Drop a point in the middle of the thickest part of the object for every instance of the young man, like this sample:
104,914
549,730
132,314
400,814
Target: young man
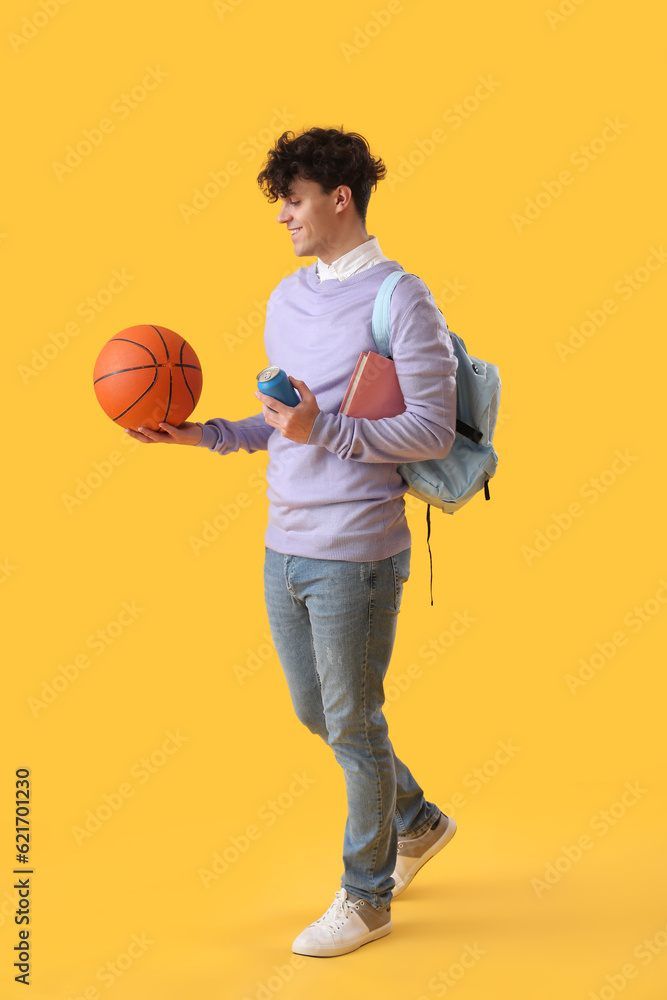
337,541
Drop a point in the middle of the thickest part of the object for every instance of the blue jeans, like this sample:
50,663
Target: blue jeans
333,624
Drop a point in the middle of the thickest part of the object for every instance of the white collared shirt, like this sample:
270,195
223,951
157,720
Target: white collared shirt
358,259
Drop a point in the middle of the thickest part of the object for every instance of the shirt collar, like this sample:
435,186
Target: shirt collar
354,260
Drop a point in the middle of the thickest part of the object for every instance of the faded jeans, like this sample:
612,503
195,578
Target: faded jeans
333,623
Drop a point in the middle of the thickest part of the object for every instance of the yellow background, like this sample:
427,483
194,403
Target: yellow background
195,661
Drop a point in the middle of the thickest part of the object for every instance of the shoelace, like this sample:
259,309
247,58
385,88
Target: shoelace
338,912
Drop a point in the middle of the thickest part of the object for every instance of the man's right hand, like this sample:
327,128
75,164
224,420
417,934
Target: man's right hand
186,433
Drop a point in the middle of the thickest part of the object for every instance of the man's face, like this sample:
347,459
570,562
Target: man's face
312,219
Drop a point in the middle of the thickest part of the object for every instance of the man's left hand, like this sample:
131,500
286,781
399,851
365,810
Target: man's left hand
293,422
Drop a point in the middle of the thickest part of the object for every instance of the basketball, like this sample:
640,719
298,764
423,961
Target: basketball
147,375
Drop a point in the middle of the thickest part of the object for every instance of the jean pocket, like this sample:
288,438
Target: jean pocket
401,566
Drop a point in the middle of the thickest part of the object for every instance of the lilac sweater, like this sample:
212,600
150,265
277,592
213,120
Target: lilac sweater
339,496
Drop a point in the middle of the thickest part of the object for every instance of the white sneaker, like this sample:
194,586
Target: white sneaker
347,924
414,852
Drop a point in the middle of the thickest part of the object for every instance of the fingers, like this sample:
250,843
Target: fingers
271,416
301,388
276,404
148,436
186,433
145,435
272,403
293,422
171,431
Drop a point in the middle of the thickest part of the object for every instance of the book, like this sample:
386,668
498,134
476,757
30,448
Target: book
373,390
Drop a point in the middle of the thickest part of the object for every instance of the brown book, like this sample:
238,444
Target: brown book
373,391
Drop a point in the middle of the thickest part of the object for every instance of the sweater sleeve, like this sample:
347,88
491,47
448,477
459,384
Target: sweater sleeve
426,368
225,436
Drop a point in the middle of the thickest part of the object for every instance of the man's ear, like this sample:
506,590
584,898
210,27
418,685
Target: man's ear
343,197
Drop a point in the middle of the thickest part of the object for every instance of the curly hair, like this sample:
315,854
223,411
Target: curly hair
329,156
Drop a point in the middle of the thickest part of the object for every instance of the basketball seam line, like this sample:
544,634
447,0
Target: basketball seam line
136,343
187,385
138,368
164,343
171,382
127,410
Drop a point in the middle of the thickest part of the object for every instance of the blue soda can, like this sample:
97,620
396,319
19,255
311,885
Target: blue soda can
274,382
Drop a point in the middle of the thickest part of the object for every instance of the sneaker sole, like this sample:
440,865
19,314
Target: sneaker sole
320,952
420,862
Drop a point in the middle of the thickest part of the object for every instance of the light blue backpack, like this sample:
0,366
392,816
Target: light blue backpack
448,483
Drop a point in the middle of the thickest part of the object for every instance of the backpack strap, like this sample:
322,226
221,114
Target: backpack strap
428,544
382,312
381,326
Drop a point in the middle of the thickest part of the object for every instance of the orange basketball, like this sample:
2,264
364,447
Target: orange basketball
146,375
